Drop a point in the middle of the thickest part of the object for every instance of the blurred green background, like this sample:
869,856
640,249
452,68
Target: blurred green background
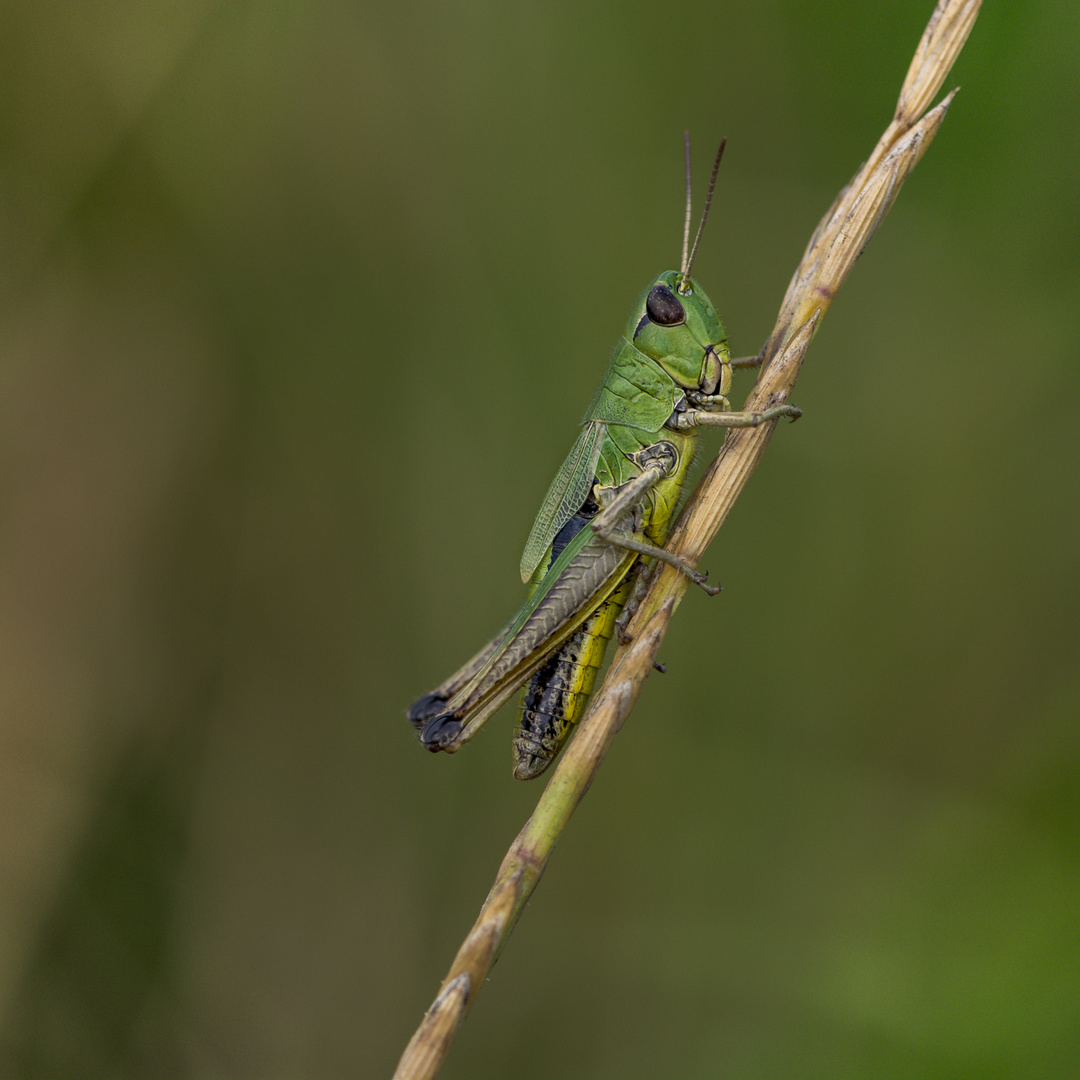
301,304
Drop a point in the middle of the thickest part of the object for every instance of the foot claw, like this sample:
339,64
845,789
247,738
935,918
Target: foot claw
701,580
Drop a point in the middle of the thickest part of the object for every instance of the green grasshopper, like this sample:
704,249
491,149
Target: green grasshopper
611,504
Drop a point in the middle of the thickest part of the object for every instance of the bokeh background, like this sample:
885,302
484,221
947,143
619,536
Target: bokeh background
301,303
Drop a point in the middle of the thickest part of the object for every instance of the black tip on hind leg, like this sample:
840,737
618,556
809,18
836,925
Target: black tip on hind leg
424,709
440,732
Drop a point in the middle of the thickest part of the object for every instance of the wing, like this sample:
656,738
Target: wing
565,496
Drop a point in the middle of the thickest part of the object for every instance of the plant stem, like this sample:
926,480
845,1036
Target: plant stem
835,245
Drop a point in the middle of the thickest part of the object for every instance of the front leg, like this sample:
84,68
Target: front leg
706,417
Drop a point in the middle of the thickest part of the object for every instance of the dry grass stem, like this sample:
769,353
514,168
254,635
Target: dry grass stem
837,242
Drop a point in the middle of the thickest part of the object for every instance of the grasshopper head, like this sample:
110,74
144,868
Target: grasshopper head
675,324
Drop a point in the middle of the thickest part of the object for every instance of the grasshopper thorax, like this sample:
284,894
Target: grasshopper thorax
675,324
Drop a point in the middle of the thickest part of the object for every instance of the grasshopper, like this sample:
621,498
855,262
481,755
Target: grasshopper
610,506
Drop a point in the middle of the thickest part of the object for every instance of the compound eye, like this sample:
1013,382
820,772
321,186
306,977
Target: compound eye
663,307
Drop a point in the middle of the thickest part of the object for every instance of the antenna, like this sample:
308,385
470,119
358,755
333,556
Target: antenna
688,263
686,226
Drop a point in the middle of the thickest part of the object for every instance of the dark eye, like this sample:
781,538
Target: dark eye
663,307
